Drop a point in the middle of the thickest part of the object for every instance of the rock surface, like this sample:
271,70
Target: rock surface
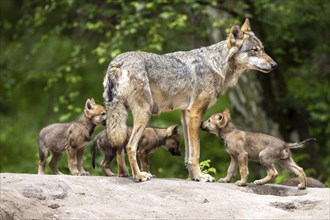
29,196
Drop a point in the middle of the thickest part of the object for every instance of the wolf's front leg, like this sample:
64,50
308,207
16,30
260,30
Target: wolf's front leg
72,160
243,168
231,172
193,122
80,163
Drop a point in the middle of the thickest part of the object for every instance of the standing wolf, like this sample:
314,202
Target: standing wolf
190,81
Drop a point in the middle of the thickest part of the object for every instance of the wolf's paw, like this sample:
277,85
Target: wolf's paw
300,186
240,183
223,180
258,182
84,173
123,175
203,178
142,177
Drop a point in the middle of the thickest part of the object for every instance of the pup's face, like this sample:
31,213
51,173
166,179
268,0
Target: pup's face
95,112
216,122
172,143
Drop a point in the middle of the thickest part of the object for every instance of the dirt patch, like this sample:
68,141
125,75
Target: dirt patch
274,190
291,206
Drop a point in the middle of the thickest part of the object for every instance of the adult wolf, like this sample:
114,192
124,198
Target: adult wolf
191,81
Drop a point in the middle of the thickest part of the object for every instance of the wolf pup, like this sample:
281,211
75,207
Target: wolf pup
72,137
244,145
151,139
190,81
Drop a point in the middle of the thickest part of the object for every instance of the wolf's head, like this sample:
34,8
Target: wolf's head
94,112
250,51
216,122
172,143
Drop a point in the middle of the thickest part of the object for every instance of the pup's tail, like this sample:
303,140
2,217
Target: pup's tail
299,144
116,110
94,151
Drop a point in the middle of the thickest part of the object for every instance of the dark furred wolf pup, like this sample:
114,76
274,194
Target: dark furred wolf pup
72,137
151,139
244,145
191,81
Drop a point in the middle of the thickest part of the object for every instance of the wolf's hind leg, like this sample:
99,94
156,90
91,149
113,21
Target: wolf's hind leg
141,118
293,167
108,157
54,161
122,169
271,174
43,155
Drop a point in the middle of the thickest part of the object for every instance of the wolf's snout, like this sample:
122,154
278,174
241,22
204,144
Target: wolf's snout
273,65
203,127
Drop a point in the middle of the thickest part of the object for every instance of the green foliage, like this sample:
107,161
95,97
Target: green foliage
206,167
54,55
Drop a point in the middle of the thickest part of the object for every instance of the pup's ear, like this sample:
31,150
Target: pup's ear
174,129
92,100
219,119
88,107
246,26
234,35
226,113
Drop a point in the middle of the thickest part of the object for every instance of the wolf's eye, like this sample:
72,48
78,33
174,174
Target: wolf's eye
103,114
255,49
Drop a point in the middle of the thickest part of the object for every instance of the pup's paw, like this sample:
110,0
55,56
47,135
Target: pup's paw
123,175
258,182
223,180
142,177
203,178
85,173
240,183
300,186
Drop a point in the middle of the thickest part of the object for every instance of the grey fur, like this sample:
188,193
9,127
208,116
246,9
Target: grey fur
151,139
72,137
190,81
244,145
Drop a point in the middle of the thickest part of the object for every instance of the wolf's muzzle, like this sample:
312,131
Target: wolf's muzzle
273,65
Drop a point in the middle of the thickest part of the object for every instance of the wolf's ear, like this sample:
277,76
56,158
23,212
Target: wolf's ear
174,129
246,26
226,113
88,107
93,101
219,120
234,35
89,104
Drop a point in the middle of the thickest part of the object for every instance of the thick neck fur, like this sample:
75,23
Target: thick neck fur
87,123
222,132
220,60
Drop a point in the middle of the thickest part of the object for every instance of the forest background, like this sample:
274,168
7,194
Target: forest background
54,55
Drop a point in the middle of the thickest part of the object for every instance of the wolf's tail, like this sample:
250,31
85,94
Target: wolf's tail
116,110
94,151
299,144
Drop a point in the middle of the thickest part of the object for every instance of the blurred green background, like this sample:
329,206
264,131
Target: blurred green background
54,55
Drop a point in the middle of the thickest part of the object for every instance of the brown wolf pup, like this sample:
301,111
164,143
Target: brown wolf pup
72,137
151,139
191,81
244,145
